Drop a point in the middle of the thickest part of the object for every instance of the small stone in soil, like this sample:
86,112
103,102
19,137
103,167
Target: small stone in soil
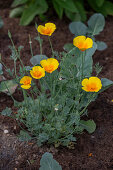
6,131
92,137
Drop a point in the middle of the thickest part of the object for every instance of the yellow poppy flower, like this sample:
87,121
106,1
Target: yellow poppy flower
26,82
48,29
93,84
50,64
82,42
37,72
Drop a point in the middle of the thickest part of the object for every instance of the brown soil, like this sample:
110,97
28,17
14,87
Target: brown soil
26,155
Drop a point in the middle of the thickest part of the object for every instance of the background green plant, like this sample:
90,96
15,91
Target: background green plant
75,10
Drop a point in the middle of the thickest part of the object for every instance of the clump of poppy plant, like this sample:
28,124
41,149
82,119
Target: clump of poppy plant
54,111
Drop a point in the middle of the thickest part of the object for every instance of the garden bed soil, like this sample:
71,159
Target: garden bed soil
92,151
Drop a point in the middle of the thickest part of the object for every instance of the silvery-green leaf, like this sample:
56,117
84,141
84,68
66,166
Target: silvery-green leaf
69,47
48,163
78,28
96,24
37,58
28,68
8,86
101,45
39,39
20,48
24,136
7,111
88,125
106,83
88,62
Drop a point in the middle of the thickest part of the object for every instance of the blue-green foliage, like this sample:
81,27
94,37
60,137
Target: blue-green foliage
88,125
35,60
95,25
6,112
48,163
8,86
24,136
53,112
55,117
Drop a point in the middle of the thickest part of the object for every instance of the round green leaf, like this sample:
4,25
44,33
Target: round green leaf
78,28
37,58
96,24
101,45
89,125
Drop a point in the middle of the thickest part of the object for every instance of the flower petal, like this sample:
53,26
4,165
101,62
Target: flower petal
85,82
47,30
82,42
89,42
25,78
37,72
93,84
41,29
50,64
25,86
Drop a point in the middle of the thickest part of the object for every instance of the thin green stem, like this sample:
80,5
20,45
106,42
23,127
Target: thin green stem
21,62
40,42
46,83
70,51
15,68
4,65
41,48
16,55
60,89
54,86
14,47
82,65
51,46
30,42
25,96
51,83
90,99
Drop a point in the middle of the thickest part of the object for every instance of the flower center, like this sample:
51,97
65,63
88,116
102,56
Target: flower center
26,82
47,31
37,73
91,87
49,68
82,46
